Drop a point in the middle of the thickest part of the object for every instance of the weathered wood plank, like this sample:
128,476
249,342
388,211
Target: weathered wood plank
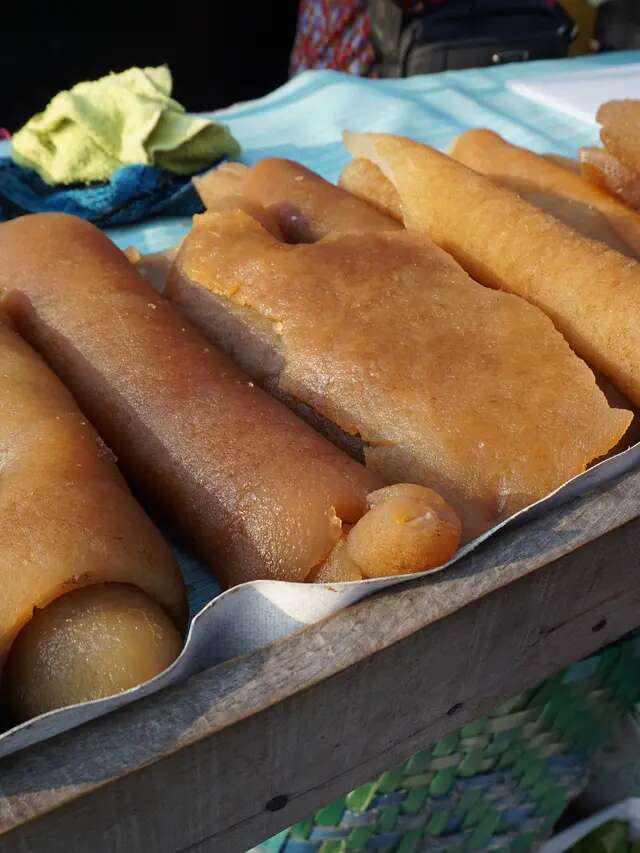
317,713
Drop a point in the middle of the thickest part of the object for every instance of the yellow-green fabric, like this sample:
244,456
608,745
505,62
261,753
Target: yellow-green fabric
87,133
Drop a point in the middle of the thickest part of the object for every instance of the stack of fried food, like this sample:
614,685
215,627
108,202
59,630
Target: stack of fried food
320,384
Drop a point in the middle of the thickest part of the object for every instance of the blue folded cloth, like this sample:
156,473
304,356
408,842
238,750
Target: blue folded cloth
134,193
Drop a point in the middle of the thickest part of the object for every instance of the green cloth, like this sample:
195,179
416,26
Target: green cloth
89,132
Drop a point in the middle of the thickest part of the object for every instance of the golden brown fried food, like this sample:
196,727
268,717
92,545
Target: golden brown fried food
259,492
383,334
567,196
224,188
304,205
403,523
68,521
591,293
362,179
605,170
620,131
94,642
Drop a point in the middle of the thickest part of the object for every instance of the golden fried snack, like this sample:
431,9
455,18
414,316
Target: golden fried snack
304,205
224,180
591,293
365,181
620,131
383,334
260,493
605,170
68,521
403,523
224,188
90,643
567,196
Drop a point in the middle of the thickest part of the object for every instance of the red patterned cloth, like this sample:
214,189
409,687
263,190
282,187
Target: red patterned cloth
336,34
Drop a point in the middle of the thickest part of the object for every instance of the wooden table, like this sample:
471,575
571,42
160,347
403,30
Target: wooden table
244,749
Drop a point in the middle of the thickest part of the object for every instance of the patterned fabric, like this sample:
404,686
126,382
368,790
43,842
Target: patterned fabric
336,34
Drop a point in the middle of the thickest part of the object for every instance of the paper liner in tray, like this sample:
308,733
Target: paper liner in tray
258,613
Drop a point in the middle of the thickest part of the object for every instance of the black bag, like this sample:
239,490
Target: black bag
618,25
466,34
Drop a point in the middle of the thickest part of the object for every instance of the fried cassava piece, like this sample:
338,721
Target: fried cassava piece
449,384
544,183
68,523
258,491
591,292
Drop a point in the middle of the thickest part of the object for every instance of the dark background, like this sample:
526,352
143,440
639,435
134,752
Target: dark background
220,52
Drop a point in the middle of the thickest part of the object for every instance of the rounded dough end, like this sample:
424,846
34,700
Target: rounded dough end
408,528
90,643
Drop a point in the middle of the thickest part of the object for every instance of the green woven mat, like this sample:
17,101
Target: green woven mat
499,783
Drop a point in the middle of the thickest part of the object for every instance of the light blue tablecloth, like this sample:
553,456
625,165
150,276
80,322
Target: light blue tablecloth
304,119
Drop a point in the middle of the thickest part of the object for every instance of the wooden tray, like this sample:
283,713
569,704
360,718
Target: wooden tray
246,748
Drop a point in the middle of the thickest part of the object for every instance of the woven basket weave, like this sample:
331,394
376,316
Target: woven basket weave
499,783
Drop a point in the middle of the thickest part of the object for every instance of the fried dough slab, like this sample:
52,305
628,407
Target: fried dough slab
386,336
591,293
259,492
575,201
69,522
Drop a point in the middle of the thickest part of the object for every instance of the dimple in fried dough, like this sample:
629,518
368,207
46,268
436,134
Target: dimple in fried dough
605,170
303,204
386,336
67,522
259,492
556,190
591,293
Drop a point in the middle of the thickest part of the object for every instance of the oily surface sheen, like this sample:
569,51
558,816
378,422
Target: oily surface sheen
257,490
67,519
465,390
591,293
87,644
545,183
